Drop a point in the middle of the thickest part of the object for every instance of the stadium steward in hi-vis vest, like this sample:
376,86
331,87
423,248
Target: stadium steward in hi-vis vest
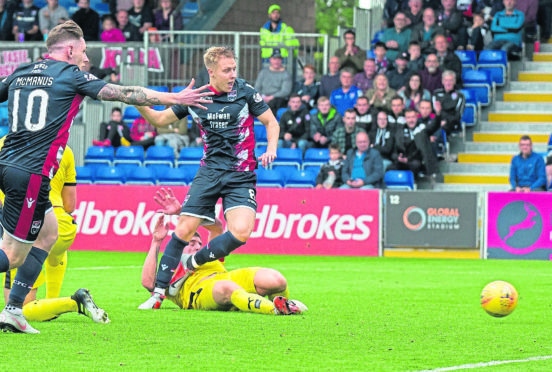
276,34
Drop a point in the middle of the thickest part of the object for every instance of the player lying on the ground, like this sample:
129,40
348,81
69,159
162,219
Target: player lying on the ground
211,287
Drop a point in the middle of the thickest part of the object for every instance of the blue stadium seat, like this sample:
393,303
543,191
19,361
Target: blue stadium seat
127,168
496,62
99,154
101,8
289,157
300,178
129,154
280,112
172,176
549,147
468,58
4,114
399,180
178,88
157,88
159,169
260,134
4,130
269,178
190,9
471,111
314,168
190,155
259,150
482,84
109,175
141,176
191,170
284,169
85,174
130,114
316,157
159,155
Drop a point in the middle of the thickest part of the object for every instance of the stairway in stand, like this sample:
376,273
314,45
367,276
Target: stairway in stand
526,108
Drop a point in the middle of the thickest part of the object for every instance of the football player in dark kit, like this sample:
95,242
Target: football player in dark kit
44,98
227,167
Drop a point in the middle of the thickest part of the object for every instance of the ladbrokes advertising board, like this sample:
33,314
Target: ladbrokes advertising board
519,225
430,219
289,221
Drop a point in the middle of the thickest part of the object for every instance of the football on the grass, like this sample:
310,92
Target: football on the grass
499,298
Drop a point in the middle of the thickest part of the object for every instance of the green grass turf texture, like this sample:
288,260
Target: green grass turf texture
370,314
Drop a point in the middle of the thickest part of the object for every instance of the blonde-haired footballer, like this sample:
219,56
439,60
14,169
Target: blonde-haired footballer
63,195
211,286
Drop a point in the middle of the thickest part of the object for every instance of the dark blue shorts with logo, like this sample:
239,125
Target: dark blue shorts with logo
27,200
236,188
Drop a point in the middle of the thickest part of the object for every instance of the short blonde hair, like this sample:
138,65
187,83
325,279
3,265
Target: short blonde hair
68,30
213,54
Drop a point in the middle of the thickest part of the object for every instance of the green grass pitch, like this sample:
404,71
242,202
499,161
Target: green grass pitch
366,314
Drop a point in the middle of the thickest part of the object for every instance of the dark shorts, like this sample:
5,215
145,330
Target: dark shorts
26,203
236,188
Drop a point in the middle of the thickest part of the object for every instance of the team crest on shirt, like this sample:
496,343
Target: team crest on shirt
257,97
454,95
35,227
232,95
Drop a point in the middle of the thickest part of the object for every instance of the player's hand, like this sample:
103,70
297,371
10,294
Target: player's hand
194,97
169,203
161,229
267,158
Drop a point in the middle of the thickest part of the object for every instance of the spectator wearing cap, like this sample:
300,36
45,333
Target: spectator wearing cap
396,38
398,77
351,55
345,97
506,27
276,35
274,83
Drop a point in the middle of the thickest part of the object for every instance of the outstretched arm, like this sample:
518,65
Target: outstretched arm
149,270
146,97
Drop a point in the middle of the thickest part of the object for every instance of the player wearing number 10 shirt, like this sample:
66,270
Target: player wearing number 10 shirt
43,99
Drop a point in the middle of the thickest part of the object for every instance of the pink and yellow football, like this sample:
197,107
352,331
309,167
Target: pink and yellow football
499,298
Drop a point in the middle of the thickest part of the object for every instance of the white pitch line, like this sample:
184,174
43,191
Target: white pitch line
488,364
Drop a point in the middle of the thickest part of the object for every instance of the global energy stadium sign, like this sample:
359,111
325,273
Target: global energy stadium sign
430,219
519,225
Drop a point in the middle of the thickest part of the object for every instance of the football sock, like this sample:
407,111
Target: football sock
26,276
252,303
284,293
4,262
169,261
48,309
219,247
55,274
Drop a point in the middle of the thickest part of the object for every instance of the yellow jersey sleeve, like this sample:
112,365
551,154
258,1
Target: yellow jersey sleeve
65,176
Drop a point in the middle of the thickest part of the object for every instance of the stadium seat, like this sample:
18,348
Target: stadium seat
496,63
269,178
470,117
159,155
191,170
549,147
399,180
190,155
178,88
85,174
260,135
190,9
101,8
129,154
259,150
99,154
4,130
159,169
314,168
141,176
109,175
4,115
172,176
162,89
289,157
127,168
316,157
300,178
468,58
482,84
280,112
130,114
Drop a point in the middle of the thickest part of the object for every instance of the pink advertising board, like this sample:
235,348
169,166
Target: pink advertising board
519,225
289,221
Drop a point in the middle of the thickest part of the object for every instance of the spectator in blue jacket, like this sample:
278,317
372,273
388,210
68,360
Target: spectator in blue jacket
345,97
527,172
507,29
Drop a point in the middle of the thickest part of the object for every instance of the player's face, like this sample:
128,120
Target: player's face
78,53
193,246
224,74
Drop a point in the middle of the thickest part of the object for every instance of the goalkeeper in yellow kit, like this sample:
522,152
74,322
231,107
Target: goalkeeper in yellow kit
211,286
